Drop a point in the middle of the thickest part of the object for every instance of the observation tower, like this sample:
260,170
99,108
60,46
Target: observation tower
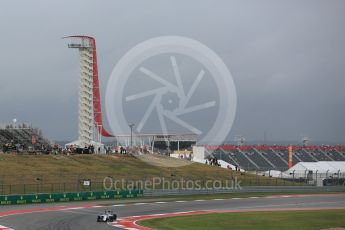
91,127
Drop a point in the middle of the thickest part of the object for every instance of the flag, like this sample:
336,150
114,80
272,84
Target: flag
33,139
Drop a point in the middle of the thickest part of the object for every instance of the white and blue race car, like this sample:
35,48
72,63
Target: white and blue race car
107,216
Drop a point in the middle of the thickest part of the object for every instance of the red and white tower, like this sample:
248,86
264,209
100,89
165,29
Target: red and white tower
91,127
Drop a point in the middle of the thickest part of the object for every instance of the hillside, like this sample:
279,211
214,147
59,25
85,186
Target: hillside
51,167
60,172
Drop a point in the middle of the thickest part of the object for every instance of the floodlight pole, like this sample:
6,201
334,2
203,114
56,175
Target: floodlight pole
131,127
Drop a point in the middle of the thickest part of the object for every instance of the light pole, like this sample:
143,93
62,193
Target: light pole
131,127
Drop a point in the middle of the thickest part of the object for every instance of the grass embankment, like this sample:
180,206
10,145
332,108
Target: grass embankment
56,173
255,220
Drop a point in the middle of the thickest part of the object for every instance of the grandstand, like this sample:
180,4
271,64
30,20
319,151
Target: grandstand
22,137
264,157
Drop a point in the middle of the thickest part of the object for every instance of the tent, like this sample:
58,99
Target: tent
276,174
319,167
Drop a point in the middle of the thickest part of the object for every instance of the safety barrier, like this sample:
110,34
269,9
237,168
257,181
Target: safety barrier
69,196
246,189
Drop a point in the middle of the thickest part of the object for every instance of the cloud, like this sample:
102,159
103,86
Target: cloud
286,58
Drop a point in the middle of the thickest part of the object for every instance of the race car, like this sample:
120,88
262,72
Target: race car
107,216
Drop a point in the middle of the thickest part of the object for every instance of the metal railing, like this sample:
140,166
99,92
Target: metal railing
64,182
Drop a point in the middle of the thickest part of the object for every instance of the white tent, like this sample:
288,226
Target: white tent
318,167
317,172
277,174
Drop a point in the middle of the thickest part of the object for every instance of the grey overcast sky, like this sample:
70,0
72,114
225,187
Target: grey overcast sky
287,58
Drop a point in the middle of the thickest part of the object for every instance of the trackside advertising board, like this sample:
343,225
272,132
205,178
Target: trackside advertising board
68,196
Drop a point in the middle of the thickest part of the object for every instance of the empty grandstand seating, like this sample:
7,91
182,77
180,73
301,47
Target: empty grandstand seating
277,159
335,155
262,157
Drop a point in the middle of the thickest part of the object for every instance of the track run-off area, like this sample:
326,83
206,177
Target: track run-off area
83,215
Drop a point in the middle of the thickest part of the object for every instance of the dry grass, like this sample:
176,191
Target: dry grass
61,173
51,167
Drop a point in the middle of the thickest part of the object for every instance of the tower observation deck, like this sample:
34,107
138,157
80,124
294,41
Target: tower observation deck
91,127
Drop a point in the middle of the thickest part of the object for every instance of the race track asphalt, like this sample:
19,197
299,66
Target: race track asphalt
79,218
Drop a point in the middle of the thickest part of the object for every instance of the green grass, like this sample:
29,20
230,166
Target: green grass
60,173
295,220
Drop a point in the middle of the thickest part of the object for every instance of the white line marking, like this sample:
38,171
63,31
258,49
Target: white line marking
218,199
159,214
180,201
160,202
181,212
118,205
74,208
199,200
305,205
140,203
